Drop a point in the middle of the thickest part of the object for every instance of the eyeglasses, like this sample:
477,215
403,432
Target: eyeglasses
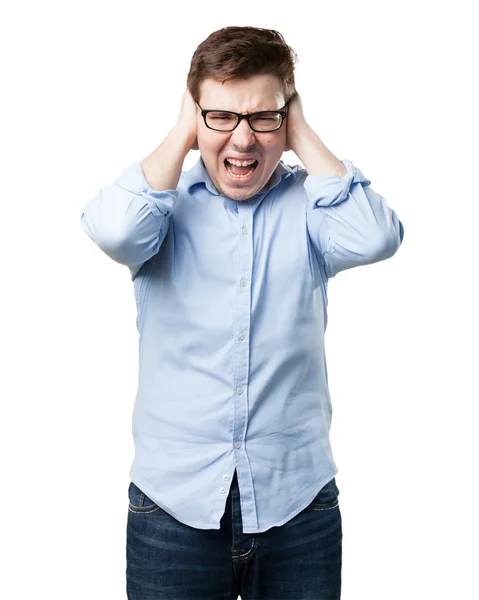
262,121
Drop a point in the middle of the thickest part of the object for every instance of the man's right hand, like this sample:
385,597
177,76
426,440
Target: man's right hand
187,118
162,168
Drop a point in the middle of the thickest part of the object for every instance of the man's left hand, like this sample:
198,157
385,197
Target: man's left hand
295,122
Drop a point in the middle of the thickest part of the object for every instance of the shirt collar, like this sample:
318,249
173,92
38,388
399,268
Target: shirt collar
199,175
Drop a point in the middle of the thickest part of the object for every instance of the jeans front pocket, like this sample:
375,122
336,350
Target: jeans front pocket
139,501
327,497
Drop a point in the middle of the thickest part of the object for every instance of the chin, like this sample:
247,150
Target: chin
239,196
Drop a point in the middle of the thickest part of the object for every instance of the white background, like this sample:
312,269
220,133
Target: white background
90,88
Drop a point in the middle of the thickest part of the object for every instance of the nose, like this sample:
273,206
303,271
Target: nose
243,136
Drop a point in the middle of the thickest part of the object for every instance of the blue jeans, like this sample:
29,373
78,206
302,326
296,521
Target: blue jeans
300,560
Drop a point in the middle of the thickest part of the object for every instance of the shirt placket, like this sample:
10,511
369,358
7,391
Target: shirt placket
241,364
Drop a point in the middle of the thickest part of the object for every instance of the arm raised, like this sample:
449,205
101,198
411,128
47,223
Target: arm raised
129,219
348,223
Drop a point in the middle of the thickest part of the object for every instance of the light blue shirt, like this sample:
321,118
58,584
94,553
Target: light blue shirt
232,311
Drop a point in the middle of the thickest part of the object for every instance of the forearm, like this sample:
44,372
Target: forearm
314,155
162,168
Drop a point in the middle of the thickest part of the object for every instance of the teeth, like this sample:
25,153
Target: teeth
240,176
239,163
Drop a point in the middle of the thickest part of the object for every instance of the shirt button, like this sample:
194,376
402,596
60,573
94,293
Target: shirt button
243,282
238,445
241,336
222,490
226,477
244,230
239,390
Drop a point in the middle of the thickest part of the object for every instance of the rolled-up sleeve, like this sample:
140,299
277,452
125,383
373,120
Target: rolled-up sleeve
348,223
128,220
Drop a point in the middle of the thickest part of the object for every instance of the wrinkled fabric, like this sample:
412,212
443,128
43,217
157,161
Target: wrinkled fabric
231,301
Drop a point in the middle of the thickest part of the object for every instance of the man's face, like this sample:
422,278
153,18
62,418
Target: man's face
259,92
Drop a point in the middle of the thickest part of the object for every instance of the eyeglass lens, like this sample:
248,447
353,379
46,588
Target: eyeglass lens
225,121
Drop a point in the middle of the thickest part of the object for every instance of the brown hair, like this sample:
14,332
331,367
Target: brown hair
240,52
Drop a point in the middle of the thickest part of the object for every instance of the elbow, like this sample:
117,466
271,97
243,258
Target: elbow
113,245
388,239
116,247
385,246
112,242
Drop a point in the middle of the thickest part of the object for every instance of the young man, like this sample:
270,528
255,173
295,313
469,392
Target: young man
233,486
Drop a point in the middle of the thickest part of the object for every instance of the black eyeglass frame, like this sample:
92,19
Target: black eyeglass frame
247,116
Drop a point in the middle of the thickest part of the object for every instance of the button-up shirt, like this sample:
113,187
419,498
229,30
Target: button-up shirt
231,303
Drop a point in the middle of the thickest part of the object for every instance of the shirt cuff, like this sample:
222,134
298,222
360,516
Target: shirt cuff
327,190
160,202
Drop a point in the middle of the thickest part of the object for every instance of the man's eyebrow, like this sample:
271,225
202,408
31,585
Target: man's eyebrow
255,110
250,112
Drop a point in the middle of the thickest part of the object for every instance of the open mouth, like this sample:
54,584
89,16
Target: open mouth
240,173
